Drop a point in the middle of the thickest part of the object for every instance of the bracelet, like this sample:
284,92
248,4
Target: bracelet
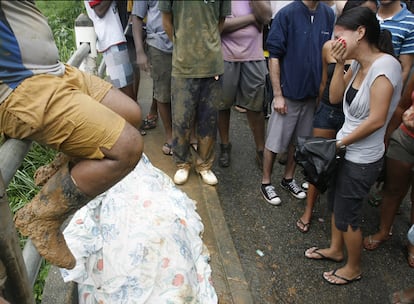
340,145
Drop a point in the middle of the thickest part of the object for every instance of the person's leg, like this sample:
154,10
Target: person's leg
352,269
165,113
210,92
223,124
75,123
257,125
335,251
268,161
183,105
312,193
395,188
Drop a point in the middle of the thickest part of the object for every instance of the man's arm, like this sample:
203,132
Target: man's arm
262,11
142,59
279,103
406,64
102,7
168,24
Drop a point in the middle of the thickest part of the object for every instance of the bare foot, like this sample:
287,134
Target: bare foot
403,296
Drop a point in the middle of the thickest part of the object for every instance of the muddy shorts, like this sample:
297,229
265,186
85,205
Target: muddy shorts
63,113
161,65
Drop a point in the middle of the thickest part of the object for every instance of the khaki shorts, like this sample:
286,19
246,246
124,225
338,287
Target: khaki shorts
244,85
161,65
401,147
63,113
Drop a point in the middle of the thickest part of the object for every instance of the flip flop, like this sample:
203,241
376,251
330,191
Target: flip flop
345,281
320,256
302,227
167,149
371,244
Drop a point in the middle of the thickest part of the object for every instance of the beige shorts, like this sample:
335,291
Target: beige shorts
63,113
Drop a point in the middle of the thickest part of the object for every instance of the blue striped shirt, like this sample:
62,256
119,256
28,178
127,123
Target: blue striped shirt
401,27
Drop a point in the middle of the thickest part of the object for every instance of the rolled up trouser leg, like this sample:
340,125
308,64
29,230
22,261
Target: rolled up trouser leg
41,219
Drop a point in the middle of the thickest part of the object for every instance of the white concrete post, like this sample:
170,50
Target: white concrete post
85,33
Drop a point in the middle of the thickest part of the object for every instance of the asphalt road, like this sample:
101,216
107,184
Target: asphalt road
283,274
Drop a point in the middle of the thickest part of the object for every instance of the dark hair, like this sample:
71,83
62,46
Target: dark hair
363,16
355,3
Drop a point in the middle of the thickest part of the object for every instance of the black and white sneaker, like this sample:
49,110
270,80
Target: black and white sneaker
270,195
293,188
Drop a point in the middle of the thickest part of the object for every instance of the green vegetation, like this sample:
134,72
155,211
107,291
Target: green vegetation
61,17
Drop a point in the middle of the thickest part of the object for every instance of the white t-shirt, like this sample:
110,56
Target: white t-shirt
108,29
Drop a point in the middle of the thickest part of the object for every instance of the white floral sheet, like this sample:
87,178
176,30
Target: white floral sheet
140,242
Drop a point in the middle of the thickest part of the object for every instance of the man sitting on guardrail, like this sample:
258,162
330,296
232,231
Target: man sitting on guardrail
57,105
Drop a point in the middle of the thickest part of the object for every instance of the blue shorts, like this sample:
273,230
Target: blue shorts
328,117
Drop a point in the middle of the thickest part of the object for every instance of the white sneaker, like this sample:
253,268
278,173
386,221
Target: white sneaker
181,176
305,186
208,177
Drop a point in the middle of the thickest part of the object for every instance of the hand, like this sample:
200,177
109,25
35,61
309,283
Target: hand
142,61
279,105
338,50
408,118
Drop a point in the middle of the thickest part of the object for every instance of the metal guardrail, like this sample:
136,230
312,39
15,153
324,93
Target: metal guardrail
20,268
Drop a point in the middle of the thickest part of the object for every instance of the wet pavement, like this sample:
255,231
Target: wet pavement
282,274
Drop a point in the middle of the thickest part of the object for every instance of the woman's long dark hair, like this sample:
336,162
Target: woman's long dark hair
362,16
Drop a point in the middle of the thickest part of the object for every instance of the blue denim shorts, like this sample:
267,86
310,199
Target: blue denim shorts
328,117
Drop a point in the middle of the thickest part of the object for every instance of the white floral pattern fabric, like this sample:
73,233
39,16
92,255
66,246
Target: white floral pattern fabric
140,242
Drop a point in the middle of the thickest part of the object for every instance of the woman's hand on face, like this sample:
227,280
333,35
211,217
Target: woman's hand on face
408,118
338,50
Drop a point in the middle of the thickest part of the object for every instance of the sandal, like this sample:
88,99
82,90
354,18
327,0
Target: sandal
302,227
150,122
194,145
167,149
335,279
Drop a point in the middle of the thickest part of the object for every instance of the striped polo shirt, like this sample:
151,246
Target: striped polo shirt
401,27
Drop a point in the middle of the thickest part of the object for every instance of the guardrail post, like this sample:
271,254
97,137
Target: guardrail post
11,255
85,33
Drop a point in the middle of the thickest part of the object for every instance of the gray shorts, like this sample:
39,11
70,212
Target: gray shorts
161,65
118,66
284,129
244,85
401,147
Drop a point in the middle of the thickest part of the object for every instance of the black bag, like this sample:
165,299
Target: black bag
317,156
